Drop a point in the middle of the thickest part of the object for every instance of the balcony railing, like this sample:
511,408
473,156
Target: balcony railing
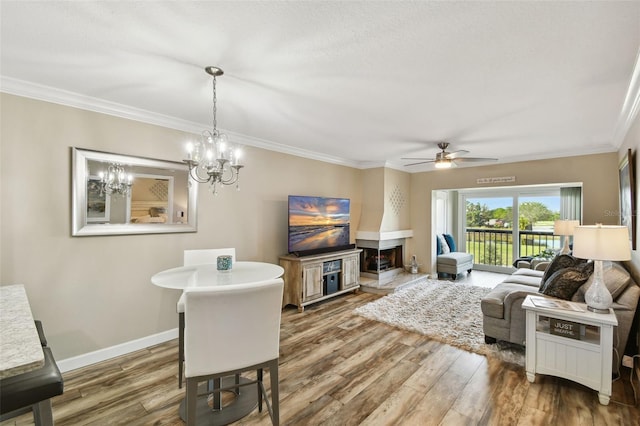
495,246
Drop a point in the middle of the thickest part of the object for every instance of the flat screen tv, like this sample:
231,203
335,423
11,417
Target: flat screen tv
318,224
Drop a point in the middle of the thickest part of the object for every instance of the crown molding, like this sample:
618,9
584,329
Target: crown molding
284,149
630,106
75,100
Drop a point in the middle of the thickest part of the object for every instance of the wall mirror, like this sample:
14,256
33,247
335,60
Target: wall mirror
156,197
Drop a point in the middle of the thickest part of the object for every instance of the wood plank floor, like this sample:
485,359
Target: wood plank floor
337,368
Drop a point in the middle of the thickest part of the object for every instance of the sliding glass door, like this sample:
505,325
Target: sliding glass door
500,226
536,215
489,230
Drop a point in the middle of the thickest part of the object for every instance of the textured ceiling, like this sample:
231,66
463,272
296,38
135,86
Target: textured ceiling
359,83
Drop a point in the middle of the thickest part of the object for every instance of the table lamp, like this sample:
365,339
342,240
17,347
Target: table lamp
565,228
600,242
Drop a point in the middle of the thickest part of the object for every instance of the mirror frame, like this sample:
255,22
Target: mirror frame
80,175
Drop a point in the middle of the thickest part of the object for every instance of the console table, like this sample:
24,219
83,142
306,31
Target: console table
574,345
310,279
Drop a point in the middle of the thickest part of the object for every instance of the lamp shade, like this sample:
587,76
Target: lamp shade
601,242
565,227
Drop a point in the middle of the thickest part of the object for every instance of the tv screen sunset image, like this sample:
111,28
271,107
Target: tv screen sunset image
318,222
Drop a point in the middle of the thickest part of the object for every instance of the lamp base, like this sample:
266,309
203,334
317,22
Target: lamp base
598,310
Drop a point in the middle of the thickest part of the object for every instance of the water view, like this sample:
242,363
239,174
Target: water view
313,237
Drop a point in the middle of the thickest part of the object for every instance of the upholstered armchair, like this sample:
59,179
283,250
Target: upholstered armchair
449,260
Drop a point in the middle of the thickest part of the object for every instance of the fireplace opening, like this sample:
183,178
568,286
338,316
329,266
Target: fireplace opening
380,260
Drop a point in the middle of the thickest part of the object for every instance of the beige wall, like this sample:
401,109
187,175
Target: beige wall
372,206
94,292
598,174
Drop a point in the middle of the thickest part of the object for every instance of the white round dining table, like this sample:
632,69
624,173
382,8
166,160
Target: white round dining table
207,274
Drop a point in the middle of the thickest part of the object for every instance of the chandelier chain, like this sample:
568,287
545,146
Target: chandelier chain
215,109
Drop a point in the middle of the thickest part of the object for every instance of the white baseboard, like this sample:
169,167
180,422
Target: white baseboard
115,351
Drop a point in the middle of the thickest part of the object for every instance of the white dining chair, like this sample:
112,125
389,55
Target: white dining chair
195,257
219,343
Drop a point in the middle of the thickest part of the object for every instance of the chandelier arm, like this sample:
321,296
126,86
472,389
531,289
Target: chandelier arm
233,178
193,172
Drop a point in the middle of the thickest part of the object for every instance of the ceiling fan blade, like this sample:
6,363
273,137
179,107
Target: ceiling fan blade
456,154
420,162
417,158
472,159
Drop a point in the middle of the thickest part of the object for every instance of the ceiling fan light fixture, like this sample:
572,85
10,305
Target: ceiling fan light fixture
443,163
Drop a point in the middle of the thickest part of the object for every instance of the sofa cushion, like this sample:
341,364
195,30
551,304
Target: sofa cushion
455,258
560,262
527,280
493,304
615,277
529,273
450,242
528,277
565,282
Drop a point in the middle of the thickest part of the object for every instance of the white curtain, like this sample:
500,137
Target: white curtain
571,203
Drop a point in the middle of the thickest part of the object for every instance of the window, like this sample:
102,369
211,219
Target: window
501,225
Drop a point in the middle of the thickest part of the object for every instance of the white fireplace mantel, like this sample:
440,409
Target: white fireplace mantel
383,236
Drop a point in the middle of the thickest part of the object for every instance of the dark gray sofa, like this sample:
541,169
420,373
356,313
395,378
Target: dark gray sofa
504,318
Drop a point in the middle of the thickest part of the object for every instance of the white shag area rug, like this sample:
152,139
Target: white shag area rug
446,311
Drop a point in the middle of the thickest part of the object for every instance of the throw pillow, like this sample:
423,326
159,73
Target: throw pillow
564,283
450,242
615,278
560,262
443,245
438,246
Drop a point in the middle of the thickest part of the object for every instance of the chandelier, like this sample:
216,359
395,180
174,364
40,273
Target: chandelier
212,160
115,181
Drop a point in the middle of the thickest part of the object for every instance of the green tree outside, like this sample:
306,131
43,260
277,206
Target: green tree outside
500,252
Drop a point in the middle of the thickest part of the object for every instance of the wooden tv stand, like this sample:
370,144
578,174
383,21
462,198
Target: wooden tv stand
310,279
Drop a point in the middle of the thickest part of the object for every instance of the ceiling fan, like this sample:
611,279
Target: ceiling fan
445,160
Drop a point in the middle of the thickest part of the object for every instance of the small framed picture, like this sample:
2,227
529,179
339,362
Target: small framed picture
98,202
